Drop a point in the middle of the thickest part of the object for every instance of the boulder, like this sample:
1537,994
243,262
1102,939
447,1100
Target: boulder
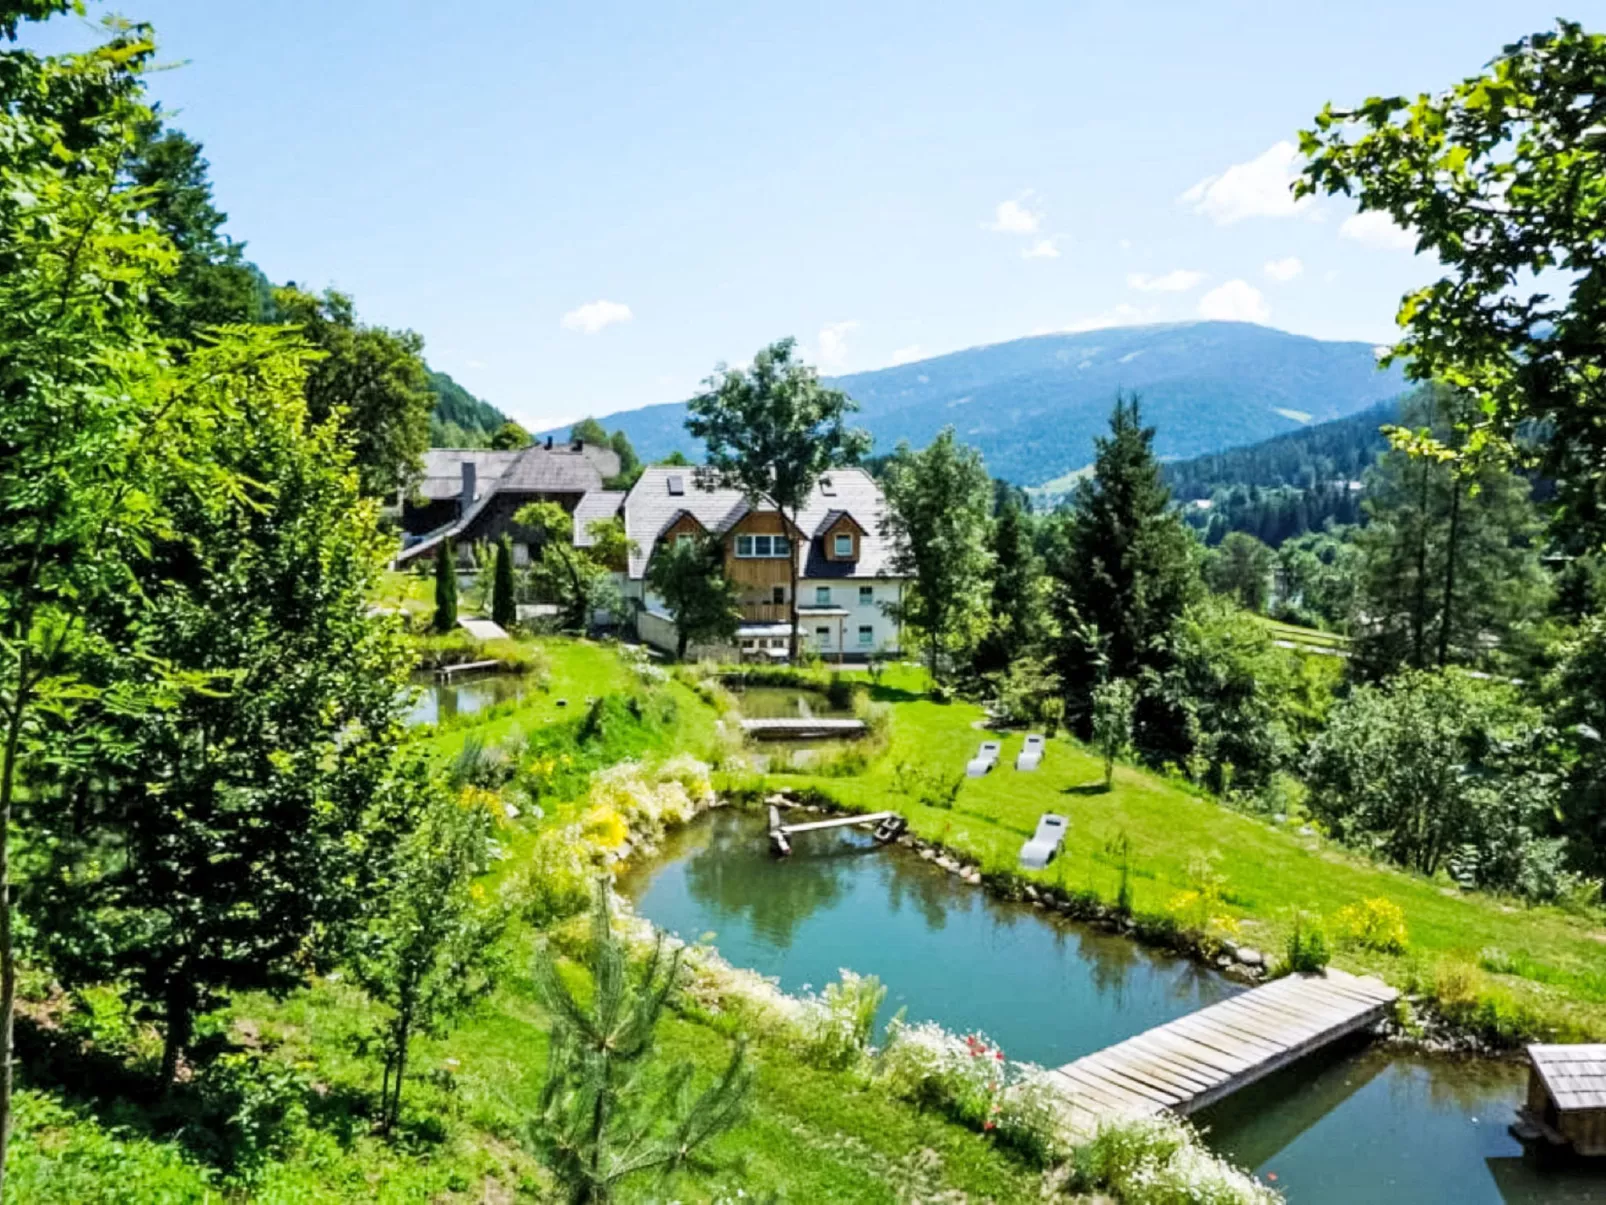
1250,956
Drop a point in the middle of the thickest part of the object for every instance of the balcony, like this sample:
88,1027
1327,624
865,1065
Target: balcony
766,612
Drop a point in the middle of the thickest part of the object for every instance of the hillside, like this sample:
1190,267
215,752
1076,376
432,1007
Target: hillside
460,418
1034,405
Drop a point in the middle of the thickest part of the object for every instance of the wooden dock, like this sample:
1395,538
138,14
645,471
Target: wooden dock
888,825
447,672
802,729
1205,1056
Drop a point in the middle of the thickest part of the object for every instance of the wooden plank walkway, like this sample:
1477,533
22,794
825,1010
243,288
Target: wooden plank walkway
833,822
1198,1059
802,729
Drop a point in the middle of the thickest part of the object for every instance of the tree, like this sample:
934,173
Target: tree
1241,566
1449,567
1018,620
772,431
373,377
510,437
1317,572
939,508
577,577
1113,702
1122,563
427,953
1577,705
1436,769
629,462
590,431
605,1114
504,610
1498,180
690,578
212,843
445,587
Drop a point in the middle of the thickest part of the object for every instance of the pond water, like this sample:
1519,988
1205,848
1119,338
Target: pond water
785,703
1356,1125
437,701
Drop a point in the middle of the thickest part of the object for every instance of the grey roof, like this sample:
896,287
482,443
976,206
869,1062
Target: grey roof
536,469
598,504
650,508
560,471
443,471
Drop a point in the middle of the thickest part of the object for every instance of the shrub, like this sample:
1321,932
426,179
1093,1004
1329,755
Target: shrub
1307,948
1161,1161
841,1023
1375,924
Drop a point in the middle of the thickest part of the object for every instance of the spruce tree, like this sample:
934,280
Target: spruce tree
1016,600
445,587
503,608
1124,566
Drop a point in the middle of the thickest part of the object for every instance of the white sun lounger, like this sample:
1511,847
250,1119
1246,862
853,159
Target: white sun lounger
986,758
1045,843
1031,753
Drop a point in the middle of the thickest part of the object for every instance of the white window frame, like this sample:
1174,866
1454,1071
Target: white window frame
866,635
762,547
748,542
844,544
822,596
866,595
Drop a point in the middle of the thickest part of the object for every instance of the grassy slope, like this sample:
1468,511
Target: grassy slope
1269,870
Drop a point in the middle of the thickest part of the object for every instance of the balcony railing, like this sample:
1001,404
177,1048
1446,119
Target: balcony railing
766,612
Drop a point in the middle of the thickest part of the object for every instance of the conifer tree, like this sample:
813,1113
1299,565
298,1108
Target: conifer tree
503,608
1018,620
445,587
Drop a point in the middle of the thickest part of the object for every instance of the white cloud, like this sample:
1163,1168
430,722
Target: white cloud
1012,217
1179,281
1284,269
593,316
833,341
1235,301
1043,248
1257,189
1374,228
908,355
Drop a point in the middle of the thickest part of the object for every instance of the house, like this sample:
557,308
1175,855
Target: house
471,494
846,578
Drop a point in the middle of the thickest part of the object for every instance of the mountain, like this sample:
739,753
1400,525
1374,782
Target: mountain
1034,405
460,419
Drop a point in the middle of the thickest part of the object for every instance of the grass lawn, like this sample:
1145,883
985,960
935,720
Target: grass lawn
1311,638
1269,870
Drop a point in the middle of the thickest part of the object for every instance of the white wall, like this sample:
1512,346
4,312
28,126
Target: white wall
864,611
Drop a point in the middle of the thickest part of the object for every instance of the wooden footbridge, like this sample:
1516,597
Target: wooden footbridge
888,826
1205,1056
806,728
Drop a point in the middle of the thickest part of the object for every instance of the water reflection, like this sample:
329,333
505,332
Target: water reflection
437,701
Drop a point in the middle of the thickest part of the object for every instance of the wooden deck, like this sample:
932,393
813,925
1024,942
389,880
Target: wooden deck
833,822
801,729
1205,1056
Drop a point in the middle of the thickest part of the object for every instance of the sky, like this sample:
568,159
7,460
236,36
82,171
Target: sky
585,207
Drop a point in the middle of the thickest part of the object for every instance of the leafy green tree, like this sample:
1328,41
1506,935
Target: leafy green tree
1017,601
578,578
607,1113
1123,566
1436,769
504,609
772,431
1318,572
1578,706
1241,566
445,587
629,462
1113,703
591,431
1498,179
428,951
212,842
940,503
1449,565
373,377
690,578
510,437
459,419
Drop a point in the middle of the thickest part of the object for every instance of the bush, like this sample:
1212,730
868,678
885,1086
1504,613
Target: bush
1375,924
1161,1161
1306,949
841,1025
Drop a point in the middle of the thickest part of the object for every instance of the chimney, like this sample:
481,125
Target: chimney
579,445
468,484
548,443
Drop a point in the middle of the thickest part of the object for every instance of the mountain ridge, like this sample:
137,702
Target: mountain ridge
1034,405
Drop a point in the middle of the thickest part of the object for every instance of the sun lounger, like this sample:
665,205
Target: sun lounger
984,761
1045,843
1031,753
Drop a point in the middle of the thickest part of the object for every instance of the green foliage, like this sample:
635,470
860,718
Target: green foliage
1241,567
576,578
426,951
445,619
1438,766
1113,703
1374,924
459,419
607,1112
1306,950
1497,176
510,437
689,575
504,606
1160,1161
1318,573
772,431
1029,692
1018,600
940,508
1577,701
372,378
1123,566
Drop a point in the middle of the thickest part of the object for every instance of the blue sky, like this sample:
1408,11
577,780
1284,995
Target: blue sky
583,207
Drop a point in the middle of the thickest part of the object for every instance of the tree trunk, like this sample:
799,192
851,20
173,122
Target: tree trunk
1447,609
180,1018
393,1111
1419,618
792,575
8,954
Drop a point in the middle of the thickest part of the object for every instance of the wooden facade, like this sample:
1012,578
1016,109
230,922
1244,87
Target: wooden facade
847,526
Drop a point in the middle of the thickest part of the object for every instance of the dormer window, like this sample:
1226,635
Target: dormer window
677,485
844,546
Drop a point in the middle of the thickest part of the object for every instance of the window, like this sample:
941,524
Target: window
683,540
866,595
866,635
677,485
844,546
762,546
778,595
823,634
822,596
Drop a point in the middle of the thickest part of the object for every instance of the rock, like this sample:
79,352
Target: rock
1223,961
1250,956
928,855
1229,948
973,877
1031,893
947,863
